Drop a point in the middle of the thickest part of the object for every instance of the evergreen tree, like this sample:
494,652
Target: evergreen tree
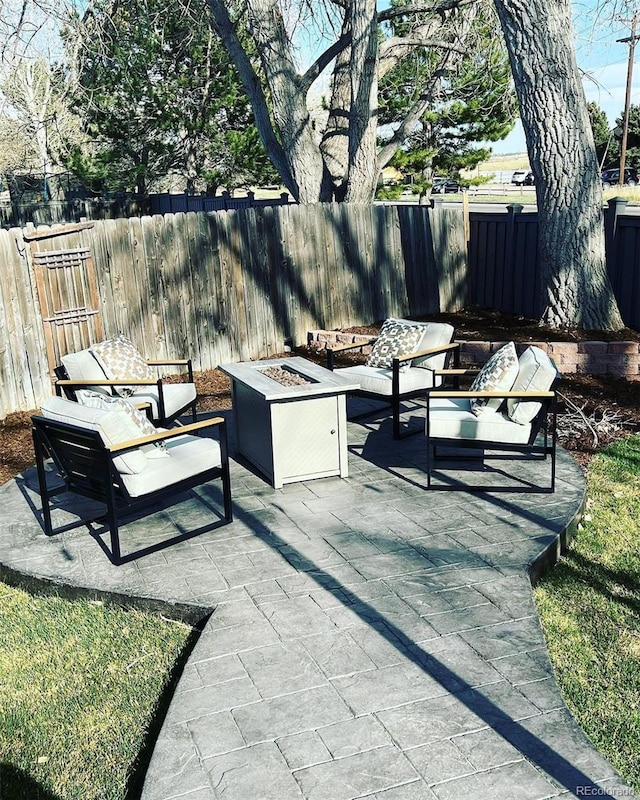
472,103
632,159
607,149
158,95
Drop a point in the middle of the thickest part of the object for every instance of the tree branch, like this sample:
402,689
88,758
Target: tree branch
323,60
399,42
224,27
435,8
410,121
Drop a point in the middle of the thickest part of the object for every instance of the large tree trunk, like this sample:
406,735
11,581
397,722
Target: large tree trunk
577,290
288,98
335,139
363,165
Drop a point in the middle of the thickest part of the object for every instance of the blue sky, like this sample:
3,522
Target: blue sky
603,62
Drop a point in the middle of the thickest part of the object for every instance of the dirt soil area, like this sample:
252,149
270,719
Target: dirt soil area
594,410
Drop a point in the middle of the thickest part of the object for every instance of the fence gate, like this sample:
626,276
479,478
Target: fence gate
67,289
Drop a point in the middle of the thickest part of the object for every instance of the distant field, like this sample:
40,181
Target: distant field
509,161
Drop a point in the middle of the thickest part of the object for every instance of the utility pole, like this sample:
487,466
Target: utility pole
631,41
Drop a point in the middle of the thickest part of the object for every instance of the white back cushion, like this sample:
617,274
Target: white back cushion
82,366
141,421
114,427
536,373
435,334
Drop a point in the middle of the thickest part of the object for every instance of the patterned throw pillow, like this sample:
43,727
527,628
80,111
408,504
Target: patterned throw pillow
498,374
138,417
536,373
396,338
120,360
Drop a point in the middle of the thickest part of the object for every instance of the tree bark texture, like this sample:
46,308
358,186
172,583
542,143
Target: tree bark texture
335,140
363,168
553,109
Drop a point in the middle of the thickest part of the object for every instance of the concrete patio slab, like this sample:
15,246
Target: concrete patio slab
369,639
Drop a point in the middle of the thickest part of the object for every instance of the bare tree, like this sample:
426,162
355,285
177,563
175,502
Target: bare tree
562,153
31,88
339,160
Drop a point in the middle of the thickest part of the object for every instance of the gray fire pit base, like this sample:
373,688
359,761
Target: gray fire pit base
290,433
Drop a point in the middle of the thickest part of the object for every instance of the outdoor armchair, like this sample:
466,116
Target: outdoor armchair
107,455
116,367
507,415
404,363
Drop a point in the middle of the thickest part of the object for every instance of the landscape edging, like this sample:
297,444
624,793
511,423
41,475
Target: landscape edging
618,359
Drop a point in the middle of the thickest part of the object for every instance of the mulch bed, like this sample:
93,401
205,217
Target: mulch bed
594,410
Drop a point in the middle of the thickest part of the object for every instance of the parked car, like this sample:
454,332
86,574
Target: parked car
445,186
523,177
611,177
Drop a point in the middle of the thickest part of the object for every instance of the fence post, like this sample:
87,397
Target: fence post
513,210
615,207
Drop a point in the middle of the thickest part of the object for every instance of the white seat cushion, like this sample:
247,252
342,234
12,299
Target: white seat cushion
454,419
379,381
190,455
536,373
176,397
114,427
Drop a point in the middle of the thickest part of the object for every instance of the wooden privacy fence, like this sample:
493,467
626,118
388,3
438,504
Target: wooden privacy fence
235,285
226,286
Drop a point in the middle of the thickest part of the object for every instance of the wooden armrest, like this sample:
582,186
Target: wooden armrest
106,382
340,348
431,351
169,362
487,393
168,434
457,372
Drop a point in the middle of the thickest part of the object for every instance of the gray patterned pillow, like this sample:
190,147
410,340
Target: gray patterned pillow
120,360
396,338
137,417
498,374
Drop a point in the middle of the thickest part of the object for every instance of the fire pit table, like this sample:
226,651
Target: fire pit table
290,418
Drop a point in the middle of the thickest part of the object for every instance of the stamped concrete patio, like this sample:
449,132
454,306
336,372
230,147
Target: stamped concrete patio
368,639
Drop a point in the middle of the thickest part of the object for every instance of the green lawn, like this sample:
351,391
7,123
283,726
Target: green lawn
589,605
79,685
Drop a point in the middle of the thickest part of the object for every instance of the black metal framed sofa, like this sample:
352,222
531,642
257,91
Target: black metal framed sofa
102,455
512,417
404,363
